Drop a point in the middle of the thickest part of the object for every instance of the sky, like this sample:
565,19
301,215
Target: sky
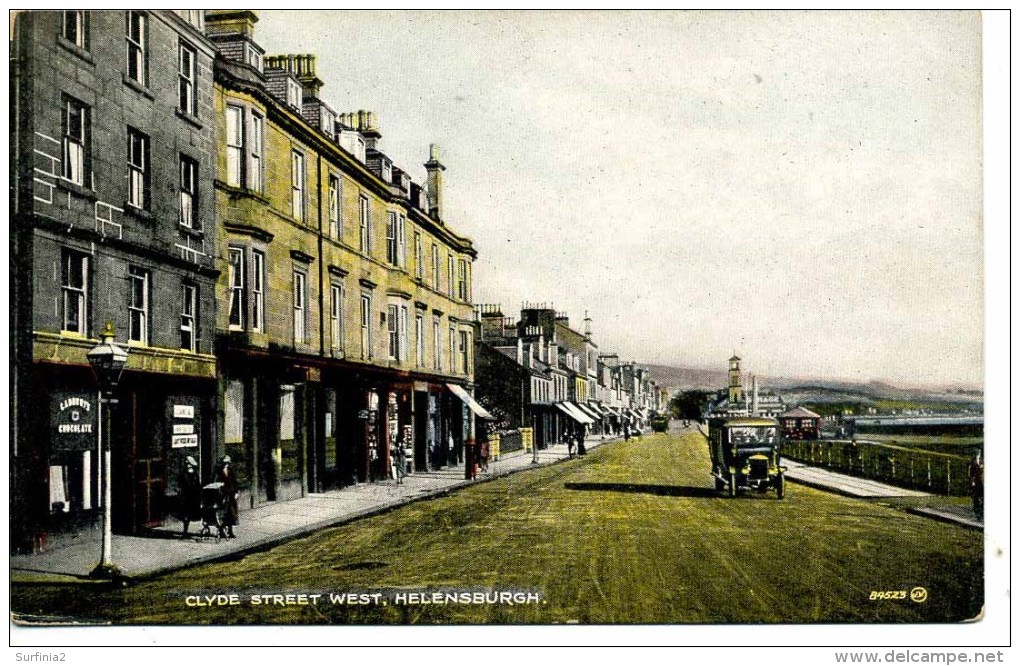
801,188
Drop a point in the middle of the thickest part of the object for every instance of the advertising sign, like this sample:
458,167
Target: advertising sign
184,441
74,421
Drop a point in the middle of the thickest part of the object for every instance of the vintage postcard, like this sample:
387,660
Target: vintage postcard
618,319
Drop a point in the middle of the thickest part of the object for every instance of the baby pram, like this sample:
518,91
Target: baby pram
214,510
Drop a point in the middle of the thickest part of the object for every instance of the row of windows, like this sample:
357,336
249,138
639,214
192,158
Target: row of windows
76,27
76,295
247,311
76,158
245,140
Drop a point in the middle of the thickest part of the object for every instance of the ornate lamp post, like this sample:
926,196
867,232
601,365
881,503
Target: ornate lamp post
107,360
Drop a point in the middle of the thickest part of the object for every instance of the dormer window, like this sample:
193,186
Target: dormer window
386,167
327,122
352,142
293,93
195,17
253,57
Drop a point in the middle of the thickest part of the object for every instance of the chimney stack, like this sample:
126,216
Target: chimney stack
364,122
587,325
435,182
754,391
302,66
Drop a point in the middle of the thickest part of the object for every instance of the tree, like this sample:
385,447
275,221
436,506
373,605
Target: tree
690,404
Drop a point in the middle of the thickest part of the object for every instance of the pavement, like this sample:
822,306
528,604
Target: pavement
844,484
928,505
165,549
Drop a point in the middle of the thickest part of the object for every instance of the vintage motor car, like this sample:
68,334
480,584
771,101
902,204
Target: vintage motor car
745,455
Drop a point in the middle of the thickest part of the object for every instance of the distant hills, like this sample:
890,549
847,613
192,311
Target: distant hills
807,390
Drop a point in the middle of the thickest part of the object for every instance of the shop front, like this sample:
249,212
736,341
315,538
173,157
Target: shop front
157,420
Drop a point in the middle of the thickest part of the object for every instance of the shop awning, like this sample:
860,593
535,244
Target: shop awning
581,414
573,412
585,409
472,404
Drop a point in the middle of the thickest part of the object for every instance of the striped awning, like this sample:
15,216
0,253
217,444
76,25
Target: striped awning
573,412
472,404
585,409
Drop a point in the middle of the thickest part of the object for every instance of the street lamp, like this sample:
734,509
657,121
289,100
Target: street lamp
107,360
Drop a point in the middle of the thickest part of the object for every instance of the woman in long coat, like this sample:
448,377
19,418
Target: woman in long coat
225,475
189,493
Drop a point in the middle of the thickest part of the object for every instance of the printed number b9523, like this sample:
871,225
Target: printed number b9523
884,595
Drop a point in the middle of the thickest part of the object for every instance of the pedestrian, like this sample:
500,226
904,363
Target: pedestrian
977,484
373,459
483,451
570,445
225,475
189,494
397,462
581,451
626,432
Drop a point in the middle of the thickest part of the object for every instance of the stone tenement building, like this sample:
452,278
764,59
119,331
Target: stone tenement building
538,372
344,322
112,155
288,295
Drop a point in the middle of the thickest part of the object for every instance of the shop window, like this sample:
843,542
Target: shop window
233,412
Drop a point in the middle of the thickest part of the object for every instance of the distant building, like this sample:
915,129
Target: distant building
800,423
735,400
586,388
